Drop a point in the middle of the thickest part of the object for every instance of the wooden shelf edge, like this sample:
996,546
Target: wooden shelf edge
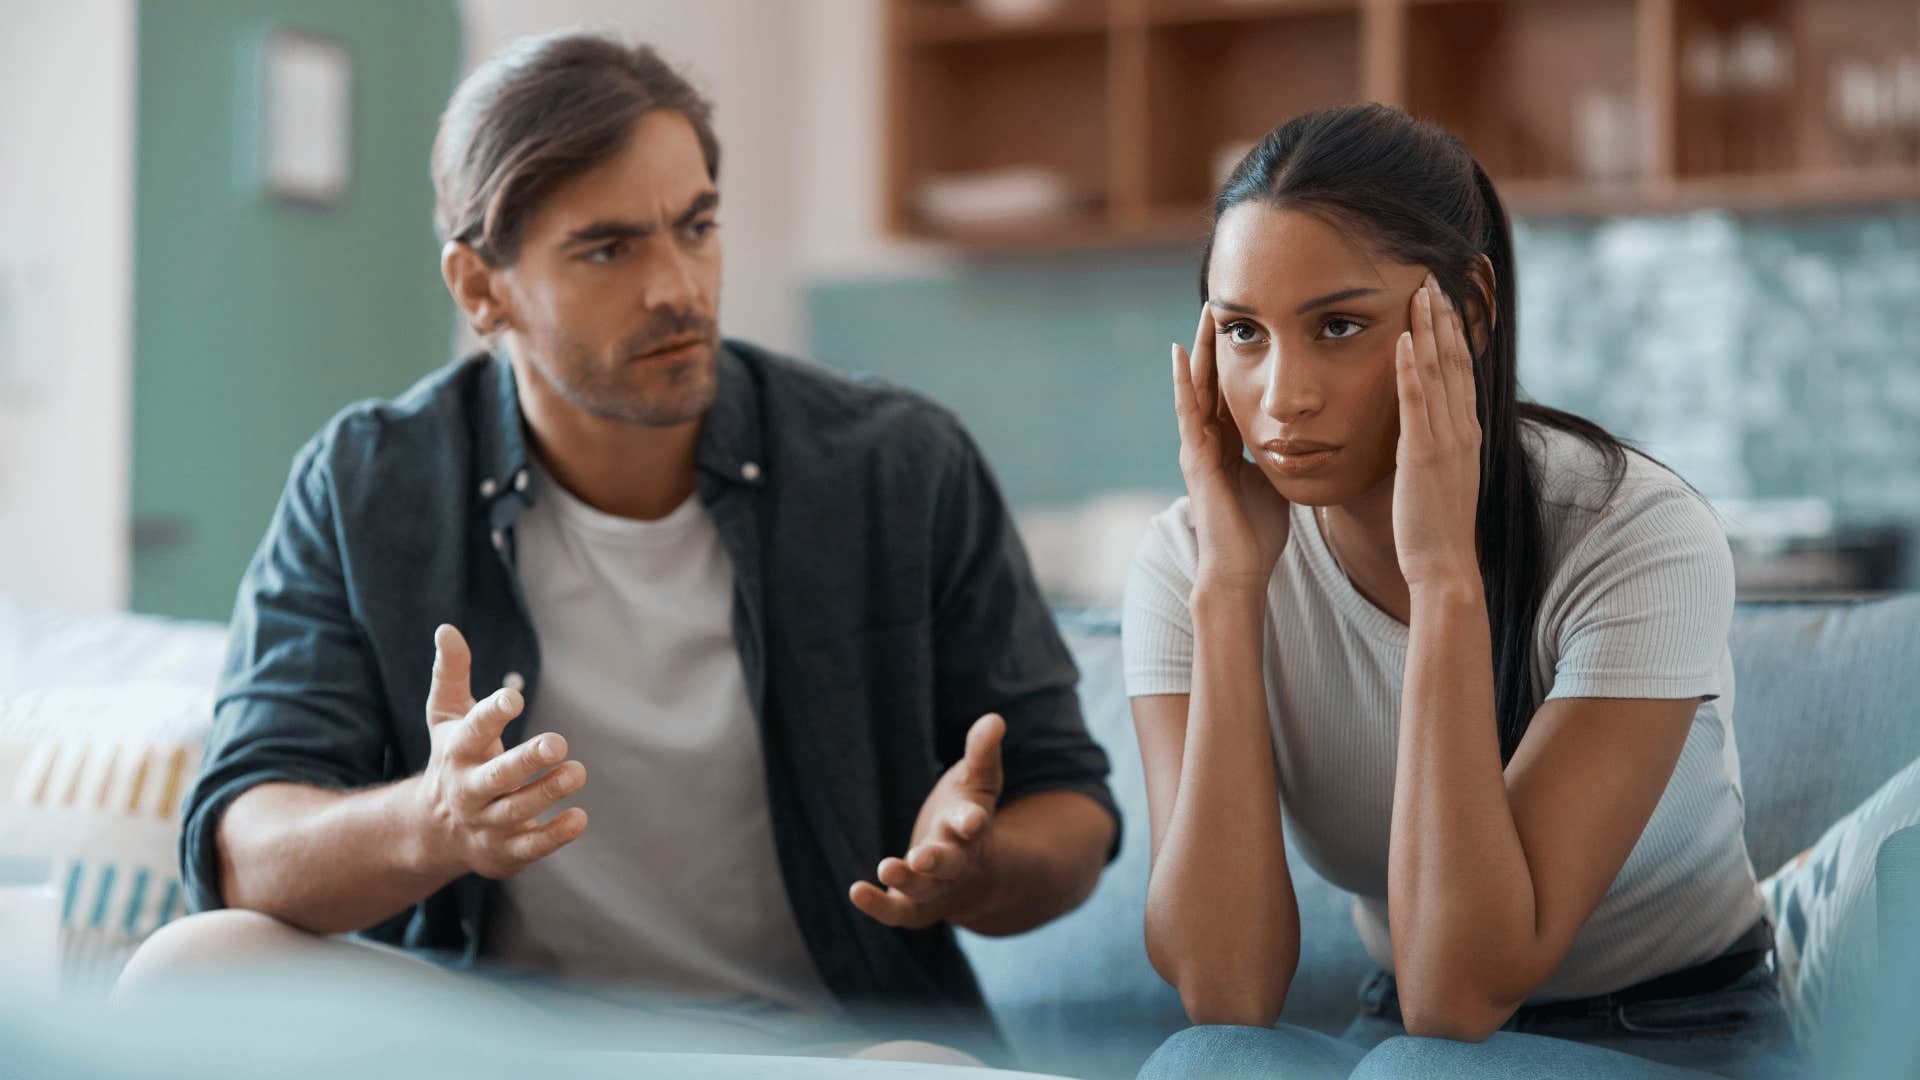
1227,11
960,26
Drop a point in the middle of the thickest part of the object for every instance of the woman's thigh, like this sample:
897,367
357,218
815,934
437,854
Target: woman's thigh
1509,1055
1227,1052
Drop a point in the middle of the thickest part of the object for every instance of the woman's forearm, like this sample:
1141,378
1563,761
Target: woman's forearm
1222,924
1460,897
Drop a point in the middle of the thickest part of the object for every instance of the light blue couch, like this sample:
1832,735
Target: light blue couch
1828,695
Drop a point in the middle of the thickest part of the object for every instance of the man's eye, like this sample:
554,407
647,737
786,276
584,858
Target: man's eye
606,252
700,230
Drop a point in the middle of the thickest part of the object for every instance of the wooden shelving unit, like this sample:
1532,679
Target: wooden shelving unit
1131,107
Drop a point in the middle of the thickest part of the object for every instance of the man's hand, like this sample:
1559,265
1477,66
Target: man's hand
482,803
946,872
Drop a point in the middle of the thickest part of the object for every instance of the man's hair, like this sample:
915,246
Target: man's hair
546,110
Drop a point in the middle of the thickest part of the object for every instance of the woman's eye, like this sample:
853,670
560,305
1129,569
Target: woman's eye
1241,332
1329,328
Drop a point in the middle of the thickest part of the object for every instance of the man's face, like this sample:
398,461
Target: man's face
614,298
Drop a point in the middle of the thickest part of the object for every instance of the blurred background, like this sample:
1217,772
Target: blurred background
217,232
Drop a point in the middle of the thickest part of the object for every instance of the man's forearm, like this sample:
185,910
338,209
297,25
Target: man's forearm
1048,851
328,861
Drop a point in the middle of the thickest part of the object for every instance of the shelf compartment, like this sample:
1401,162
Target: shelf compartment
1218,84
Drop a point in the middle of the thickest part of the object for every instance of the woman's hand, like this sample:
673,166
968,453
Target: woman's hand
1436,491
1241,520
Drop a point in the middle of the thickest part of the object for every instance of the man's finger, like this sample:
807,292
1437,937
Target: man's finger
450,696
963,823
889,908
506,772
983,753
486,721
938,859
536,798
895,874
536,842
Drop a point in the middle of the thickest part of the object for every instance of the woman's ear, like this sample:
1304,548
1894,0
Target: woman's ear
1483,312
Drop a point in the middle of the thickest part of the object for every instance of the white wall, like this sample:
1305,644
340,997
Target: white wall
66,271
741,53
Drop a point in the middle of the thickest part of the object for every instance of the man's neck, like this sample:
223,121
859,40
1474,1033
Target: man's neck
629,470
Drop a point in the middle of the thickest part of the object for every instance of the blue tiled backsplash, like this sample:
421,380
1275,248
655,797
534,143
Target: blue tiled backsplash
1759,356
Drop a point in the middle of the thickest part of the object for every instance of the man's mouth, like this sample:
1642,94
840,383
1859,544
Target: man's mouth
678,348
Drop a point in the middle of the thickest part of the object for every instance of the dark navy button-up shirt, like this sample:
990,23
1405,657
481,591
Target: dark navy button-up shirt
882,602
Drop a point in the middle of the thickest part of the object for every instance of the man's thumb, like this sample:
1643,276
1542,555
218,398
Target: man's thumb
983,751
450,697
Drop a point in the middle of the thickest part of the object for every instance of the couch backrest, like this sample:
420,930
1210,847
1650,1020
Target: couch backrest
1827,707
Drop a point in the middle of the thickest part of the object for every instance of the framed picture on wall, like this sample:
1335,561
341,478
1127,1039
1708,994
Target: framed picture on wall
305,118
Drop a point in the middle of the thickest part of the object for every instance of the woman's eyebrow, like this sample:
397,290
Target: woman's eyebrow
1334,298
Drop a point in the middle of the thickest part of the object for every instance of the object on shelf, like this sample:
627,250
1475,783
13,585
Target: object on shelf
1015,11
1795,547
1607,135
1014,195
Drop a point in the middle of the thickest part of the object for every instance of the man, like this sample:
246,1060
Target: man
777,618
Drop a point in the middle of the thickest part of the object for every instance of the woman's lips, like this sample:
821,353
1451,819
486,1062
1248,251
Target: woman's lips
1299,462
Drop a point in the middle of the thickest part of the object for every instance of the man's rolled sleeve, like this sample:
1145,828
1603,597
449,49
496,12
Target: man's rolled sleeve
998,649
298,697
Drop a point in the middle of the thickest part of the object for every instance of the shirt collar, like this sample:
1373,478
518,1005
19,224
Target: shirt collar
728,450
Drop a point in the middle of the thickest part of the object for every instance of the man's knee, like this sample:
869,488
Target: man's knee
212,941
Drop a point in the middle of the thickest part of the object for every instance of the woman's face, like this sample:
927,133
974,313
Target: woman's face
1305,322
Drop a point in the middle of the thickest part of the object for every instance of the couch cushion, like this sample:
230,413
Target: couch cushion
1827,707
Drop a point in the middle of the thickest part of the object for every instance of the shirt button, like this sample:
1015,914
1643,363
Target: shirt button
514,682
500,540
488,487
520,480
750,471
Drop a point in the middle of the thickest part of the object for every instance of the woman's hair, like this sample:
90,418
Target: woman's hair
544,111
1415,194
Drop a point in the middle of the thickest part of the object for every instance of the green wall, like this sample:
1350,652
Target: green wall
254,322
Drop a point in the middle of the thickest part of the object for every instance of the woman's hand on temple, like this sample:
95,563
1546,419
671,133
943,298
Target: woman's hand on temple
1240,519
1436,490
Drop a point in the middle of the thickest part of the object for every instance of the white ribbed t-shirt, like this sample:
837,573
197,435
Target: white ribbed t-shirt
1637,605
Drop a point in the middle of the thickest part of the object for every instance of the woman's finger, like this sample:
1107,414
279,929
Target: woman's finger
1426,358
1457,364
1185,412
1414,428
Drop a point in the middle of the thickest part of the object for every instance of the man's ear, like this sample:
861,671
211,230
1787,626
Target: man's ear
475,287
1483,312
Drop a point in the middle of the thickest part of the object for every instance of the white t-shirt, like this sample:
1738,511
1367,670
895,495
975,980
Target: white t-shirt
1638,602
675,885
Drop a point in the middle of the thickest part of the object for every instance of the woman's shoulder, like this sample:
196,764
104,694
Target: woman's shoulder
1596,506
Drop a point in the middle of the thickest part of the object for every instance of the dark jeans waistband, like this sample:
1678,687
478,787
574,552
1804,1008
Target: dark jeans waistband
1382,993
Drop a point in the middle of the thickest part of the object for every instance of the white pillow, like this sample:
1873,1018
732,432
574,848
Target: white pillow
1825,926
93,780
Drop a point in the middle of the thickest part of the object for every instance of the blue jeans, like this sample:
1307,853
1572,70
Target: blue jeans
1739,1030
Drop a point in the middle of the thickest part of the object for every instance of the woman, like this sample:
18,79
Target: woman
1467,653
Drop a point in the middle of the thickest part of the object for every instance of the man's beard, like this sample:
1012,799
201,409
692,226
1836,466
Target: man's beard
664,395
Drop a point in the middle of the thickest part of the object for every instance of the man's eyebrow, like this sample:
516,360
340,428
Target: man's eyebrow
608,230
601,231
701,203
